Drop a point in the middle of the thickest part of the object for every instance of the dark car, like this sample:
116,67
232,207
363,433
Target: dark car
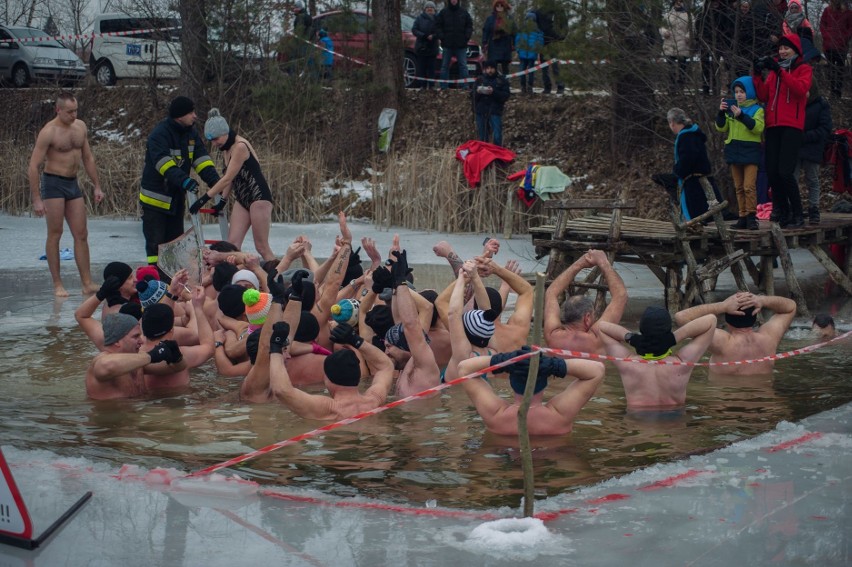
350,30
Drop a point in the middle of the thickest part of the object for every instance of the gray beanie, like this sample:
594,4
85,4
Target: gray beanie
216,125
429,4
116,326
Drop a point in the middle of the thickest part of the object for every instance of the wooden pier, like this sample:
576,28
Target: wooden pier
688,257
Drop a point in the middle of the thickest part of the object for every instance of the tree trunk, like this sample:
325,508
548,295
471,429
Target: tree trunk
387,52
195,51
632,35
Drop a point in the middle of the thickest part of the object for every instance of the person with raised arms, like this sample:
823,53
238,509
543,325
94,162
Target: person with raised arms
741,341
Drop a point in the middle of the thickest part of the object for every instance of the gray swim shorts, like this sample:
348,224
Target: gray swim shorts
59,187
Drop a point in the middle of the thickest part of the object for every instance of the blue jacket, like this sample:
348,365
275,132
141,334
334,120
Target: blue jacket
529,44
327,58
172,152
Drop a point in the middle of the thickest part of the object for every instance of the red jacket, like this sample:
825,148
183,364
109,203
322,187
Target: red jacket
836,29
785,97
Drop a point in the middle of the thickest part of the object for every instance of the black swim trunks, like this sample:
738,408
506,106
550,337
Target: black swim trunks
59,187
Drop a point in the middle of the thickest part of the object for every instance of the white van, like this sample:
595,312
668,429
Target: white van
146,55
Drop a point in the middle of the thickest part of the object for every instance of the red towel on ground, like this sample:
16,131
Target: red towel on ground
477,155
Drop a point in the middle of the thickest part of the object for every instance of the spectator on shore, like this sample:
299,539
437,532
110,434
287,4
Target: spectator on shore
784,92
327,59
768,19
554,29
796,22
426,45
498,34
835,26
677,43
714,29
490,93
691,163
744,47
453,27
529,43
818,127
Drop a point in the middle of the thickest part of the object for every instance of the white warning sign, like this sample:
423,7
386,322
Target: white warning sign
14,519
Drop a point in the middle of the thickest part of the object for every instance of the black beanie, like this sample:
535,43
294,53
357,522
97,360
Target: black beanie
655,335
157,320
231,301
342,368
746,321
380,319
133,309
431,296
494,298
118,269
223,274
180,106
308,328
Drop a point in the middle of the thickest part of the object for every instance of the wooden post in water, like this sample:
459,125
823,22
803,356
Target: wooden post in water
789,270
523,411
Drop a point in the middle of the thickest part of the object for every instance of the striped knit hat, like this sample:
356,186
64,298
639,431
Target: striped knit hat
479,326
257,306
151,292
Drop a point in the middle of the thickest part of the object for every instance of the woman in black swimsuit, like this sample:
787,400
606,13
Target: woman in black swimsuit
253,206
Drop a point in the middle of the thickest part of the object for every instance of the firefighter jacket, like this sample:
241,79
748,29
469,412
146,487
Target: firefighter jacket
173,151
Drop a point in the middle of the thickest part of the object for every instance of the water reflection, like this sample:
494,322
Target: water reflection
435,449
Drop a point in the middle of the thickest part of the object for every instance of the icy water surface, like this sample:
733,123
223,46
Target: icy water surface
429,450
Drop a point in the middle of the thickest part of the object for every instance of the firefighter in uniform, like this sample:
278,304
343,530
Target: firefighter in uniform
174,148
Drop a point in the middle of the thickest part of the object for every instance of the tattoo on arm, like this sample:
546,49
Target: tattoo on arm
455,262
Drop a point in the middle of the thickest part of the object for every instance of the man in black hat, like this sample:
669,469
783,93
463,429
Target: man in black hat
741,341
653,385
174,150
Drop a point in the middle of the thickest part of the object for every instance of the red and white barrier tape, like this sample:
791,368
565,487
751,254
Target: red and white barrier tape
89,35
353,419
778,356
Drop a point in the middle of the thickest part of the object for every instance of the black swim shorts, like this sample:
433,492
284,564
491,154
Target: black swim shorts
59,187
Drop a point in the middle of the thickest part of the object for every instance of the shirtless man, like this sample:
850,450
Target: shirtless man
342,377
741,341
656,386
554,418
513,333
61,145
117,371
573,327
405,343
824,328
158,325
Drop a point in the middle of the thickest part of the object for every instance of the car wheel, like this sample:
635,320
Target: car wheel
409,67
20,76
105,74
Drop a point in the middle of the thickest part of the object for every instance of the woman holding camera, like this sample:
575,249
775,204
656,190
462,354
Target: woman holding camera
784,91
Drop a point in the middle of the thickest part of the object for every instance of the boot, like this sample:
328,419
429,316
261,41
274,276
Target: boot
795,221
741,224
813,215
751,222
775,215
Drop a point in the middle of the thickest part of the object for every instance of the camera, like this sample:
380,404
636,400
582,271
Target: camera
761,63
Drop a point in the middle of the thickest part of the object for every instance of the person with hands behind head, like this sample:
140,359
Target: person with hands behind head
112,287
556,417
741,341
656,387
242,174
573,326
342,377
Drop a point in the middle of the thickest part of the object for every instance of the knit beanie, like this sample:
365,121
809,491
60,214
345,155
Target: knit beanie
655,337
380,319
230,301
180,106
429,4
346,311
144,273
494,298
223,274
216,125
479,326
257,306
342,368
308,328
157,320
116,326
132,309
246,276
396,337
118,269
150,292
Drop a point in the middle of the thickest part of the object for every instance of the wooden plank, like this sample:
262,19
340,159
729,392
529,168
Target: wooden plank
789,270
570,204
767,274
834,271
736,267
